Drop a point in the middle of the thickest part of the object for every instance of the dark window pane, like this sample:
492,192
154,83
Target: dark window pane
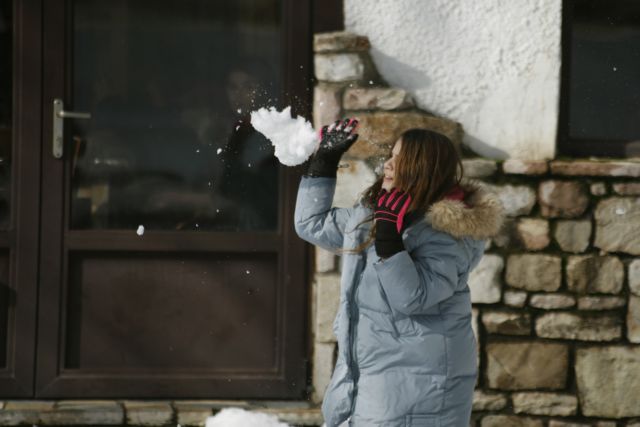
6,98
170,86
605,70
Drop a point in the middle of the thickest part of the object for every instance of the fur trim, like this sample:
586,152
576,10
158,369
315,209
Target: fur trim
481,219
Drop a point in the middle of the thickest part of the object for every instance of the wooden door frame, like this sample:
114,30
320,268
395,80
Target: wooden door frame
50,382
21,238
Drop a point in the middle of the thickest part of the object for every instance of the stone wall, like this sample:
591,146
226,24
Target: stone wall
556,297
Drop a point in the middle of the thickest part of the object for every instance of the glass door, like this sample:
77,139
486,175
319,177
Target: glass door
169,264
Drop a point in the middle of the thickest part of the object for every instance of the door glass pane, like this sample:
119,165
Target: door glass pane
170,85
6,98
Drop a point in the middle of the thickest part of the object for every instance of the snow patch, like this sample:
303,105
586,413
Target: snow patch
294,140
237,417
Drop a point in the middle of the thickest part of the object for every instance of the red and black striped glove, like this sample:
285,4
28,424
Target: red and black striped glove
389,216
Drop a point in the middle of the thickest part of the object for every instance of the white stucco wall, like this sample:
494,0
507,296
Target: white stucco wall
492,65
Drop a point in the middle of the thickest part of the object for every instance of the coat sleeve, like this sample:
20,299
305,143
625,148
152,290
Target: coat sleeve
315,220
416,282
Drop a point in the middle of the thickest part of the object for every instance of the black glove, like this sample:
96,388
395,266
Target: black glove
335,140
389,215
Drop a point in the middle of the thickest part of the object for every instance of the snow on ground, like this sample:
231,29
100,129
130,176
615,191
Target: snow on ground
238,417
295,140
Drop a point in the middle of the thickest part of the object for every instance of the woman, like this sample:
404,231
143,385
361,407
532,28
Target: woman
407,353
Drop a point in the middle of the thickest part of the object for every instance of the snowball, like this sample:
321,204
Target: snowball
140,230
238,417
294,140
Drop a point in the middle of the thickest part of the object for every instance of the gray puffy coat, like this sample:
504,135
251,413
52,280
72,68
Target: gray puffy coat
406,349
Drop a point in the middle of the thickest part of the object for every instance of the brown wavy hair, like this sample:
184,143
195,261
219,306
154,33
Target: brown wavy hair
428,166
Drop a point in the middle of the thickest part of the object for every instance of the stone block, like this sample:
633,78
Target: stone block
150,413
323,364
598,188
634,276
627,188
525,167
573,235
552,301
479,168
325,260
560,423
534,272
24,412
484,280
608,380
326,104
526,365
514,298
340,41
533,233
617,225
600,303
488,401
574,326
379,131
564,199
339,67
328,299
633,320
193,414
510,421
544,403
594,274
595,168
351,181
83,412
508,323
376,98
517,200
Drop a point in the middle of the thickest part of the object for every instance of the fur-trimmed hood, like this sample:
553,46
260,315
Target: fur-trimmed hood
469,210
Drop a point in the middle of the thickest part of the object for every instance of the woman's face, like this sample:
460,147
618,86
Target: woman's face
390,166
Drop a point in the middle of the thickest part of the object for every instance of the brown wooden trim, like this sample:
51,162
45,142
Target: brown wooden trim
295,269
328,15
51,201
17,379
7,239
170,241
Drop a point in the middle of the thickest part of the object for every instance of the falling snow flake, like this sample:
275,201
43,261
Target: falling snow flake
140,230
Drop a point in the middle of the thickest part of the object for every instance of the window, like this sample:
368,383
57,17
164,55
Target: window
600,100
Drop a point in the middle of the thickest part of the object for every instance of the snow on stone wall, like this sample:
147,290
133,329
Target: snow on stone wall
492,65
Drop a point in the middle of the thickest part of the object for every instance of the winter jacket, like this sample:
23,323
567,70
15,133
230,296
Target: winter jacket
406,349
